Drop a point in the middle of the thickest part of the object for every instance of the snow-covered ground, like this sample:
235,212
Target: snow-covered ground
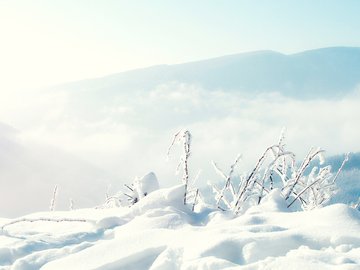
159,232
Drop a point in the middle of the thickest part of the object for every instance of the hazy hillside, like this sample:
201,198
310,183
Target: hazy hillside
326,72
29,173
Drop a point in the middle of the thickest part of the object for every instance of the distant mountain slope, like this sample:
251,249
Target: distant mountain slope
29,173
326,72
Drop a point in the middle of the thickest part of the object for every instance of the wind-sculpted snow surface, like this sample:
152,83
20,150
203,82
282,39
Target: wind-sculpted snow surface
159,232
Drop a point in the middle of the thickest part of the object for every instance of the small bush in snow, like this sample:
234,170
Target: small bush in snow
277,167
140,188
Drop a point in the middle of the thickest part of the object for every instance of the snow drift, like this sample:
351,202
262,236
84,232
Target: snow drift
159,232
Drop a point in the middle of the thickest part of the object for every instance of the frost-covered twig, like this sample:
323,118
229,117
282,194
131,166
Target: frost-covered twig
303,191
130,188
53,199
196,178
268,174
115,200
346,159
282,138
183,136
71,206
228,185
134,197
305,164
357,205
175,138
45,219
249,179
195,200
217,196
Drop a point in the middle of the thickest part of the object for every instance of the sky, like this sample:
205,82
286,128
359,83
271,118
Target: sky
49,42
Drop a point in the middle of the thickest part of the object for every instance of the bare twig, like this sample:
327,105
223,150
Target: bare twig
305,189
185,137
252,174
53,200
306,162
195,200
45,219
226,177
71,206
346,159
131,189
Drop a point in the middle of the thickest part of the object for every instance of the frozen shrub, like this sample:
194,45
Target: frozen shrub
277,167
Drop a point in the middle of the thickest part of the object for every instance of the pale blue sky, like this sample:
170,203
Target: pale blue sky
45,42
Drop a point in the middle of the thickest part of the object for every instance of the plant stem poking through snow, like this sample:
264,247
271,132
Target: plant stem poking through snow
228,184
71,206
44,219
195,200
184,137
346,159
357,205
53,200
305,164
244,187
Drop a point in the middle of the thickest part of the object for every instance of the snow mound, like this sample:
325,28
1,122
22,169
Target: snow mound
159,232
147,184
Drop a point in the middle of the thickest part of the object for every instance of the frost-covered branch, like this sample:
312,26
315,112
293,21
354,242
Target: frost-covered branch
71,205
346,159
299,173
183,136
250,178
53,199
304,190
228,185
272,167
357,205
45,219
318,188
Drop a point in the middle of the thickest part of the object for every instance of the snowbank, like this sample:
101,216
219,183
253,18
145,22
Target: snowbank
159,232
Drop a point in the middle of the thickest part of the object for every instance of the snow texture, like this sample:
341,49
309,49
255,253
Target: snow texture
146,184
159,232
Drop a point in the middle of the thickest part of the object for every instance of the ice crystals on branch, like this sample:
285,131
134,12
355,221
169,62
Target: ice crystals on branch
53,199
276,168
184,137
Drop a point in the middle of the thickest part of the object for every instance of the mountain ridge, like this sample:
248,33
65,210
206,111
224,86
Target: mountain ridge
330,72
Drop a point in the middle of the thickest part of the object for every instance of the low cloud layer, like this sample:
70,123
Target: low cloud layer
128,134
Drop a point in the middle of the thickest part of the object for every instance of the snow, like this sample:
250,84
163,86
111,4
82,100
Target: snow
144,186
159,232
147,184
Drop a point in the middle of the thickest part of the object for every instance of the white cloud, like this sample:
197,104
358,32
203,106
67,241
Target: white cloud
130,135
